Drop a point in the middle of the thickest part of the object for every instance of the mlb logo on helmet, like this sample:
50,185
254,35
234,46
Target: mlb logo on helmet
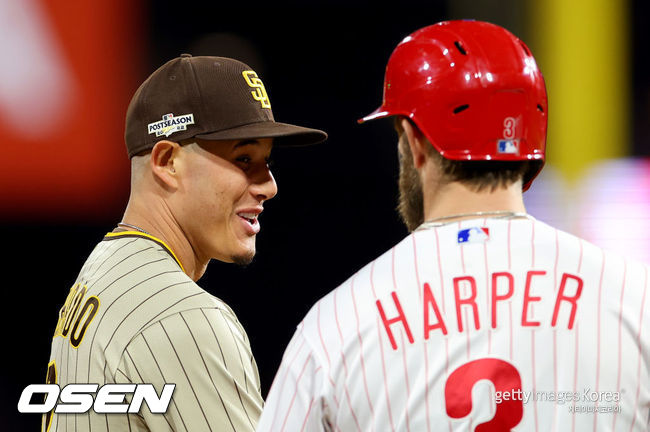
508,146
474,235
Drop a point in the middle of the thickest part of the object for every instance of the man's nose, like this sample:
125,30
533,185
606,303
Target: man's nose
264,187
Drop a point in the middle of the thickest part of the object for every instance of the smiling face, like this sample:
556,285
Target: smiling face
222,188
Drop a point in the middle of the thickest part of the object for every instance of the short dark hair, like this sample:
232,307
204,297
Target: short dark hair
478,175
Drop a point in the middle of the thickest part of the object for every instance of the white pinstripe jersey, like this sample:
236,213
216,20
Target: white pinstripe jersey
134,316
436,331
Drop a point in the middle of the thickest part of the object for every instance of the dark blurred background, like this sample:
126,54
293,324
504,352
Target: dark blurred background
69,69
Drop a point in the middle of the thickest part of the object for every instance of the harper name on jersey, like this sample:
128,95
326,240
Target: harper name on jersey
501,289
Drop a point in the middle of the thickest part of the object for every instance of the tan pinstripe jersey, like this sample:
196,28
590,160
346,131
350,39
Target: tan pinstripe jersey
134,316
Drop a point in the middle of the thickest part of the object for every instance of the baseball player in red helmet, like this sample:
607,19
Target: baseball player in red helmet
483,318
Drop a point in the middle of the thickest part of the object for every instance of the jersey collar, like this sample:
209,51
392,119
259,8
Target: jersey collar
120,234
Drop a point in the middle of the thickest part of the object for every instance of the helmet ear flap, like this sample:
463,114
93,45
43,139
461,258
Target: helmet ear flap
535,167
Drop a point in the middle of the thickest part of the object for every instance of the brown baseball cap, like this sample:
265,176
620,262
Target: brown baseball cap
212,98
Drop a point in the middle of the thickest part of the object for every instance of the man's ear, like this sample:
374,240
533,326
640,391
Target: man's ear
163,158
417,143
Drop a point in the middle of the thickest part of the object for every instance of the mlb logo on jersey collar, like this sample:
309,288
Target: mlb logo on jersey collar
474,235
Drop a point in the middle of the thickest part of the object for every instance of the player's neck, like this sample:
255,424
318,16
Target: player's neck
154,217
456,199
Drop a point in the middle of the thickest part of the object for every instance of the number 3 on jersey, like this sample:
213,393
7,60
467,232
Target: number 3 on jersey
504,377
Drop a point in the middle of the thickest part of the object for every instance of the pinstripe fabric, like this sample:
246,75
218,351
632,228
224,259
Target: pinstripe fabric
155,325
373,355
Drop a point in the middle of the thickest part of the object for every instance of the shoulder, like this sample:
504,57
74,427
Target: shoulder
590,252
604,272
122,261
193,304
139,281
204,330
336,318
135,295
196,326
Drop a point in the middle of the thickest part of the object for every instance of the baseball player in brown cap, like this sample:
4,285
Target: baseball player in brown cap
199,132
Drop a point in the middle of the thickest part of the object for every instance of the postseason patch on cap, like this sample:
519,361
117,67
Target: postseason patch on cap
474,235
509,146
170,124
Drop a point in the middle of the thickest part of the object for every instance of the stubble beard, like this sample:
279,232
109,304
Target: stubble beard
243,260
411,198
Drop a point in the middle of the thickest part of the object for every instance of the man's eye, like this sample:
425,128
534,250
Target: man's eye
244,159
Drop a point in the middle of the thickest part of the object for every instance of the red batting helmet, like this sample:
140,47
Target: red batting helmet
472,88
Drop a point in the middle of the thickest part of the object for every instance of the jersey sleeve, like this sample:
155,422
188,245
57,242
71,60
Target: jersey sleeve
296,401
206,354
